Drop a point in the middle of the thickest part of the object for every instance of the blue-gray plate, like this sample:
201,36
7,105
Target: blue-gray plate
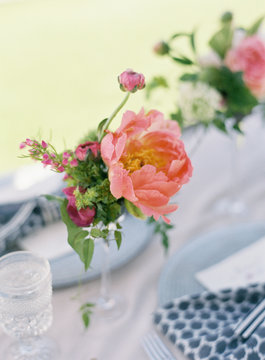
178,275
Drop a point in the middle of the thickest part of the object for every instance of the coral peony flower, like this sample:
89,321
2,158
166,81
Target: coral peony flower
147,162
249,57
82,217
131,81
82,149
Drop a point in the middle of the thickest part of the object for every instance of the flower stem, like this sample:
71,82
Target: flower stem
115,112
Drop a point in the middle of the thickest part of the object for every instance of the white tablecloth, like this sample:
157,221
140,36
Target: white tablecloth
138,280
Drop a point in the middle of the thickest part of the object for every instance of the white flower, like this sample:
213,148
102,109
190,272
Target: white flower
198,102
210,59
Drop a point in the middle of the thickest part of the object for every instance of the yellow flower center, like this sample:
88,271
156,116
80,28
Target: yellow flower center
136,160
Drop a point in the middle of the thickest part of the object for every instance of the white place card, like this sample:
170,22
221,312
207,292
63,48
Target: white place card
240,269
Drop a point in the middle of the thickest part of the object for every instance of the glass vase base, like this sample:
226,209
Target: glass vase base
35,349
109,308
230,206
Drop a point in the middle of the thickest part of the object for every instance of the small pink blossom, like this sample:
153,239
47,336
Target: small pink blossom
47,162
131,81
60,168
65,162
66,155
74,163
29,142
83,149
45,156
53,155
22,145
44,144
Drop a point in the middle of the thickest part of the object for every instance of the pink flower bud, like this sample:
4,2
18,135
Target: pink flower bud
131,81
45,156
82,217
161,48
82,150
44,144
65,162
22,145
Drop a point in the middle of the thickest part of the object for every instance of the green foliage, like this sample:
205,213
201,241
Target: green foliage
162,228
177,116
90,136
77,238
182,60
108,207
156,82
100,128
134,210
86,310
255,27
118,238
189,77
222,40
239,99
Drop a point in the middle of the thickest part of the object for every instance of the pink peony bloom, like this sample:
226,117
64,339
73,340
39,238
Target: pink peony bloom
131,81
83,149
82,217
249,57
147,162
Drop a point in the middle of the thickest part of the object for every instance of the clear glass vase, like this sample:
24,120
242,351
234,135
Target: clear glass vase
25,306
107,305
231,202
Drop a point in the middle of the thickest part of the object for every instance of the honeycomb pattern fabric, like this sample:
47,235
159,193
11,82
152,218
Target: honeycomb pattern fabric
201,326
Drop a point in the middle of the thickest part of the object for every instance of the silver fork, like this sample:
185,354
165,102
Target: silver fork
155,348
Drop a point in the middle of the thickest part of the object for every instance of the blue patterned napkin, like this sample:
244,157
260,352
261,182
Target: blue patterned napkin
201,326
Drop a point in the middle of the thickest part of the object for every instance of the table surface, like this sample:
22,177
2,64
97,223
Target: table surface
137,281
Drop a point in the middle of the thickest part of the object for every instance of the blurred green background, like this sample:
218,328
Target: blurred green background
59,60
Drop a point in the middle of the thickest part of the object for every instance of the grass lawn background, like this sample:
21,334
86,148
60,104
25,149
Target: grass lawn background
59,60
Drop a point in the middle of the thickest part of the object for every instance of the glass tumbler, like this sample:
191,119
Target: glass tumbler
25,305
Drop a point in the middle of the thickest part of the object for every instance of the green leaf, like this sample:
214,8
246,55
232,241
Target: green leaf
182,60
236,127
88,251
189,77
86,319
87,306
220,125
192,42
54,198
118,226
222,40
156,82
239,99
134,210
255,27
118,238
76,235
178,117
96,233
165,242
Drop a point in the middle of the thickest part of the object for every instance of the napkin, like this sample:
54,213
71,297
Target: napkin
17,220
201,326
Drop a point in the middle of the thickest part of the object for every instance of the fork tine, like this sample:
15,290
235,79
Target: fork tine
162,346
156,346
149,349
